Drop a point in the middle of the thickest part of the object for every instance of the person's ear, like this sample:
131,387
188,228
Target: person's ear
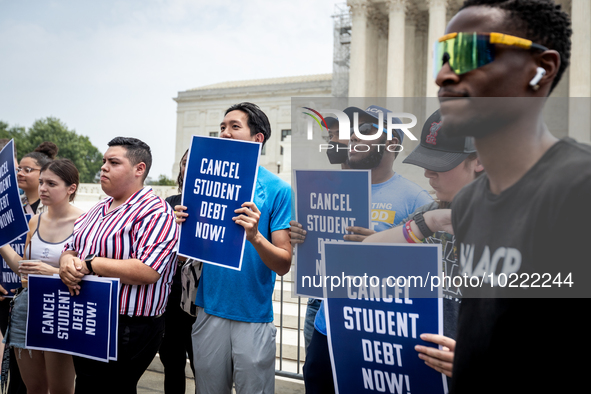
393,141
140,169
72,189
546,69
259,137
477,165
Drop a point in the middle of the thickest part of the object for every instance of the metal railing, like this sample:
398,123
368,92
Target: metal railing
280,372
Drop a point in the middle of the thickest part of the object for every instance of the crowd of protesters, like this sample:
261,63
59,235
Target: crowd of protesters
501,181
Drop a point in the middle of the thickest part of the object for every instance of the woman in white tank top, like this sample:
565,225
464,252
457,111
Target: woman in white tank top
44,372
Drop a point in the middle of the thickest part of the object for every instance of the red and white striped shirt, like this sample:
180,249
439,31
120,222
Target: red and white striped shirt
142,228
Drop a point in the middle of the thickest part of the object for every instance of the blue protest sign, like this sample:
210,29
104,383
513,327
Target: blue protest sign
327,202
375,318
220,177
13,223
78,325
113,337
9,279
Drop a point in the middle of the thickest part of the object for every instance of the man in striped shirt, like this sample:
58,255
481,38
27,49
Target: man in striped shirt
130,235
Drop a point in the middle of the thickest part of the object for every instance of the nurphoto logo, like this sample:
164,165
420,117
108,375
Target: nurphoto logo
345,129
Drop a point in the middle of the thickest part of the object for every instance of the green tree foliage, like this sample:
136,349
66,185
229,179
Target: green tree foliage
78,148
17,133
163,180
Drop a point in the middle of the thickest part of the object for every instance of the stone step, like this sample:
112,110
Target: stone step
287,293
282,385
290,344
290,314
289,386
288,366
156,366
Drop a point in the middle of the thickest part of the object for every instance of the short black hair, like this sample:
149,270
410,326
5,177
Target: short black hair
542,21
137,151
257,120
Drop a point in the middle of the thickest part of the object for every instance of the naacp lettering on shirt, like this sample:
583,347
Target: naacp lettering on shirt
501,272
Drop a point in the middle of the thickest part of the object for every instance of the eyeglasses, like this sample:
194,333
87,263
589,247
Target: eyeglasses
28,170
467,51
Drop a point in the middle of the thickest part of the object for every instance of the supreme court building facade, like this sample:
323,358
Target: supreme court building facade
382,48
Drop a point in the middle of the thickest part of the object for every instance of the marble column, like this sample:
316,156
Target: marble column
180,142
411,61
580,74
396,45
372,49
382,58
358,48
437,23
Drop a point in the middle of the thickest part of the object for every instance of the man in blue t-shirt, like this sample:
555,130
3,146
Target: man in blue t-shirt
234,334
393,197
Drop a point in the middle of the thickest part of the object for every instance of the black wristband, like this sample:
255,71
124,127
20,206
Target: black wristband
88,261
420,221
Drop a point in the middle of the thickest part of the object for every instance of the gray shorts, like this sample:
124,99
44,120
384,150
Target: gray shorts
228,351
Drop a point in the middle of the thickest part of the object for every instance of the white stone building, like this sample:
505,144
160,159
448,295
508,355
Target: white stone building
382,48
200,111
391,56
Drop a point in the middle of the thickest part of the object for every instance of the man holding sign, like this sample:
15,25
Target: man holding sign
234,334
130,235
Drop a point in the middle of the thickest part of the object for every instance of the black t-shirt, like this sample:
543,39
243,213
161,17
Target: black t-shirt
452,296
174,200
525,339
35,205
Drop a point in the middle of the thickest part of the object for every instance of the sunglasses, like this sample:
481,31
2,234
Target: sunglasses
467,51
28,170
369,129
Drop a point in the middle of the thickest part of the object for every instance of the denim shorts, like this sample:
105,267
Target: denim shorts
18,320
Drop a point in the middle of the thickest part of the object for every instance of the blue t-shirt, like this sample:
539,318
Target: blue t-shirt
246,295
395,199
391,203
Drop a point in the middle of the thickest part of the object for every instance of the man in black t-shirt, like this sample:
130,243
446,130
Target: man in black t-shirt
522,223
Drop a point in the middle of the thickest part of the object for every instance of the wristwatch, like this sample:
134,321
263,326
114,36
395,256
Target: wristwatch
88,261
420,221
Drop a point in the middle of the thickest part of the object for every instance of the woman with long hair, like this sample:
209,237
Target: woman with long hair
44,371
28,175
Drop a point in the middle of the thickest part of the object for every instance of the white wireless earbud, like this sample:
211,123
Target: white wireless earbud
540,72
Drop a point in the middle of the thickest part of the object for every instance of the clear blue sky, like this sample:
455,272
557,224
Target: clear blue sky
109,67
